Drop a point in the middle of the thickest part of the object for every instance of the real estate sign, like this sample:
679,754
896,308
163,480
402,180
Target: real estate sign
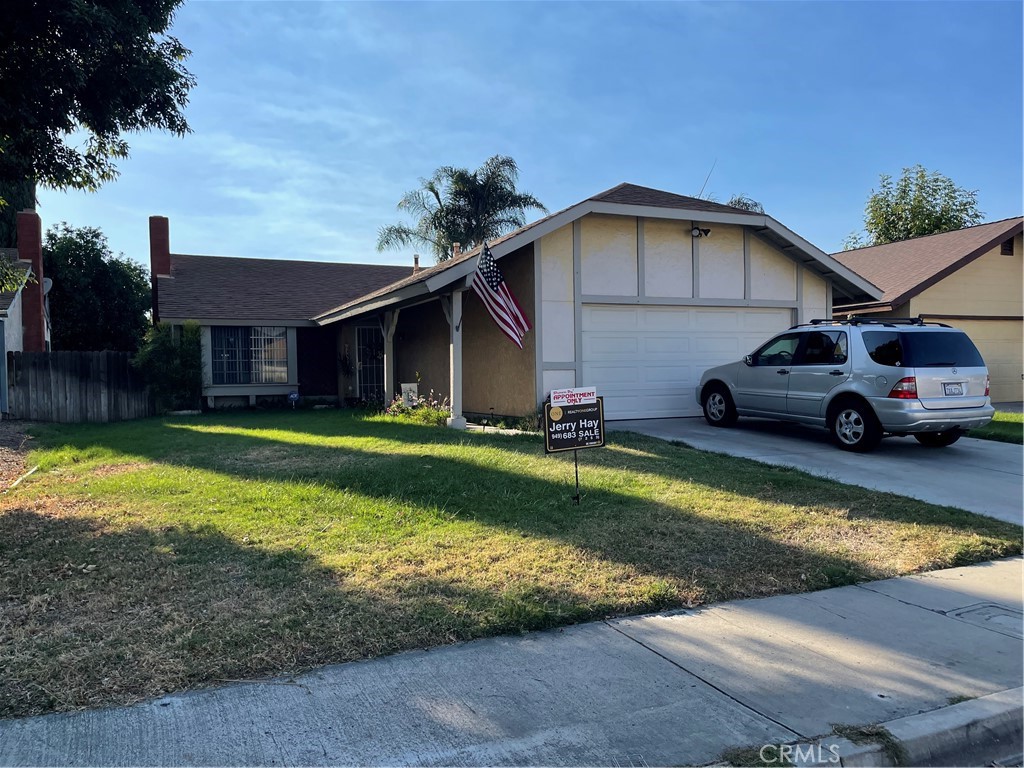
571,427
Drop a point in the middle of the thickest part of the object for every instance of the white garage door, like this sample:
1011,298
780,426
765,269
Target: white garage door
646,360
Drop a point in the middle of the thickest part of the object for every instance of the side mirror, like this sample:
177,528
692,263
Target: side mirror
749,359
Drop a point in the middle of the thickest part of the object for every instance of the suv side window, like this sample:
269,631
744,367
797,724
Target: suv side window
884,347
824,348
778,351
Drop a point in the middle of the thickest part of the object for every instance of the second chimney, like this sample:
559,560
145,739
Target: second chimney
415,263
159,246
456,249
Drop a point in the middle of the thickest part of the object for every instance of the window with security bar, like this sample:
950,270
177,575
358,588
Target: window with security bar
249,355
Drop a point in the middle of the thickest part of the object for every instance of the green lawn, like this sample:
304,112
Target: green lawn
171,553
1005,427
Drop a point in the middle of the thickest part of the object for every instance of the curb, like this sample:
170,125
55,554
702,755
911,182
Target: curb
975,732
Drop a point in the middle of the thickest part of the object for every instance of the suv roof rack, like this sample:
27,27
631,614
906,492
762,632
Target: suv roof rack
869,320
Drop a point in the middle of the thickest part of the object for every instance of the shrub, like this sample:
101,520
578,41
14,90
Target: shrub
171,362
427,410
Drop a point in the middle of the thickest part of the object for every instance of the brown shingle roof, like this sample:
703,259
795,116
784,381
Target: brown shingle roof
631,194
231,288
904,269
623,194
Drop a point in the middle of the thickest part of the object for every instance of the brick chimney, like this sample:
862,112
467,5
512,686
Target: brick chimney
415,263
456,249
159,257
33,312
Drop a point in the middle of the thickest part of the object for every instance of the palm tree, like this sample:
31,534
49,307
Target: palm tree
457,205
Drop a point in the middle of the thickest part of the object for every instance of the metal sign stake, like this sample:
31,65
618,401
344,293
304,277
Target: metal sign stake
576,461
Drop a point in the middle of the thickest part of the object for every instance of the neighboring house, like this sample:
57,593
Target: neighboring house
969,278
259,341
634,291
25,311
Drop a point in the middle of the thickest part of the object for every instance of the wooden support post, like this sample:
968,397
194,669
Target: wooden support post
389,325
454,313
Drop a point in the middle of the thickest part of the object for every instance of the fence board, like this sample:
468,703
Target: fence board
72,387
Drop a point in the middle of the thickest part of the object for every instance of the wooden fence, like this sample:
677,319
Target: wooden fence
73,387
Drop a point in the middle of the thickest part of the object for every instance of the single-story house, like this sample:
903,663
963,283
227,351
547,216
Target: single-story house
970,278
259,340
633,291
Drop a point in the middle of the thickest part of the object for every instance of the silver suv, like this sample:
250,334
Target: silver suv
860,378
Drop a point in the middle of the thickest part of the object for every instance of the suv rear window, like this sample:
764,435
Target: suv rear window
942,349
935,349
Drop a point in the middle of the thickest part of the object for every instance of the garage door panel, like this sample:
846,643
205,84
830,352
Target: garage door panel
666,345
612,318
646,361
603,346
664,319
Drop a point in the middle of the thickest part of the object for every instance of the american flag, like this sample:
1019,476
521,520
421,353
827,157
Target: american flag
501,304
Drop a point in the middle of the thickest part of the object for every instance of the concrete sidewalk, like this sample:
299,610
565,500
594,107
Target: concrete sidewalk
673,689
981,476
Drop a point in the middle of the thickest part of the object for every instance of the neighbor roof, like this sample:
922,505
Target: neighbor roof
904,269
232,288
624,199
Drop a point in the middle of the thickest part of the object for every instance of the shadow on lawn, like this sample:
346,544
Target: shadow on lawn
726,557
181,605
91,616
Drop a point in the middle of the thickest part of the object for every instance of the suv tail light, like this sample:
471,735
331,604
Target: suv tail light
905,389
987,382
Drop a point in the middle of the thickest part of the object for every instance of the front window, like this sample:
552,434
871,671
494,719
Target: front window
778,351
249,354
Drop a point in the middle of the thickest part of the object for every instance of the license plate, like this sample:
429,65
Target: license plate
953,390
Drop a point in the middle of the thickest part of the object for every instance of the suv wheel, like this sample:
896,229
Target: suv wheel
938,439
719,410
854,427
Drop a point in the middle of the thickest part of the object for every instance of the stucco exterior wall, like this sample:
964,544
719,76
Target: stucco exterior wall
814,301
557,308
668,258
421,349
496,373
720,263
608,248
772,275
989,285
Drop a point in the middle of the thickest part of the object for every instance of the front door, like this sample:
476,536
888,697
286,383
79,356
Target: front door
762,382
823,364
370,363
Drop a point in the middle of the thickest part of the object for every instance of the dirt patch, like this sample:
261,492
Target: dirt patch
14,445
110,470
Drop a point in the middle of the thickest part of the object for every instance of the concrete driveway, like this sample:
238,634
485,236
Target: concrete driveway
980,476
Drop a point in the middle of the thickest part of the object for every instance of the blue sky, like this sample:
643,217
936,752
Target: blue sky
311,119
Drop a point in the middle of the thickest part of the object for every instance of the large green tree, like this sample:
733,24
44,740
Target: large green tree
920,202
457,205
75,76
98,300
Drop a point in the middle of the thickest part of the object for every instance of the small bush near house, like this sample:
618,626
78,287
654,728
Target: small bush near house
171,361
428,410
